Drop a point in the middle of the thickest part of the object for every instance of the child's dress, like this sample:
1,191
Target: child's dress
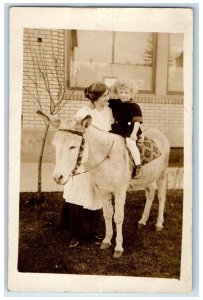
125,115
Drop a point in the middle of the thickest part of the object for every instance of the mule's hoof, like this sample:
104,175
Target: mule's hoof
141,225
117,254
159,228
105,246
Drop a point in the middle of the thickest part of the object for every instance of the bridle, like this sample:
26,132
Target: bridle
81,150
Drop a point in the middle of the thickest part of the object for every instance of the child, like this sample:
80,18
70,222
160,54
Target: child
128,116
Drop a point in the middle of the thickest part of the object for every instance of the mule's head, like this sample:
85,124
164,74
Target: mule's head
67,143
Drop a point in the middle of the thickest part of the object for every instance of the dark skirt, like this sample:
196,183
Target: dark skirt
81,222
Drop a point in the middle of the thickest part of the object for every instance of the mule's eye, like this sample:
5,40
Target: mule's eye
72,147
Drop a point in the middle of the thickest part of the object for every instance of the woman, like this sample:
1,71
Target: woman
82,206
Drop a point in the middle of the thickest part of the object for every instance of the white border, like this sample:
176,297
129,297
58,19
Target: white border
155,20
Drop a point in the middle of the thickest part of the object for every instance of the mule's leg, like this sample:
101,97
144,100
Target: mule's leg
108,213
149,193
161,185
118,218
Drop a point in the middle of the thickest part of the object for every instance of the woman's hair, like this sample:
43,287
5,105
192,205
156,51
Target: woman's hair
121,84
95,90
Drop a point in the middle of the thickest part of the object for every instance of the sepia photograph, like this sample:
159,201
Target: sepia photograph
100,177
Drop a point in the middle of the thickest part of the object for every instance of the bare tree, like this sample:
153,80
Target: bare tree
48,79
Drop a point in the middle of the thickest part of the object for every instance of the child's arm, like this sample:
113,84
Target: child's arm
137,119
135,130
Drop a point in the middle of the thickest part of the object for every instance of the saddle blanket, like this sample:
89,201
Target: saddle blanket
148,150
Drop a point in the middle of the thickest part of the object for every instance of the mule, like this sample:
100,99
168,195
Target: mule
109,166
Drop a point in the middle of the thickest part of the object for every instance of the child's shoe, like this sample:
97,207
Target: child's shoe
138,172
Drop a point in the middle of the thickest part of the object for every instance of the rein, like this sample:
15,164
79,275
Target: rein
81,150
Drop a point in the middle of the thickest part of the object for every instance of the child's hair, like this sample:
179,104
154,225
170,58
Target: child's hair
121,84
95,90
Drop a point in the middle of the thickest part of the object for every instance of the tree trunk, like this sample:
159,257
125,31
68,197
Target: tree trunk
39,187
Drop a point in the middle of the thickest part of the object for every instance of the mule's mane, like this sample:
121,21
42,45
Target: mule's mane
71,131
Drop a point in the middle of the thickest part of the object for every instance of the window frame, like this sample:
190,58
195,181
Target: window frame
178,93
69,55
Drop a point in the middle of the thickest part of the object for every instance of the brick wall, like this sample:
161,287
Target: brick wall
46,45
163,113
166,114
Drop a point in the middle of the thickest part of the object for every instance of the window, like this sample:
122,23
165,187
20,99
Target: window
175,64
100,55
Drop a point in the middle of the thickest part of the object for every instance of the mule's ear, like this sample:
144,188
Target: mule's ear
86,121
51,120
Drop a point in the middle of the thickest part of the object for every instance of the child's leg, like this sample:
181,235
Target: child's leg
134,150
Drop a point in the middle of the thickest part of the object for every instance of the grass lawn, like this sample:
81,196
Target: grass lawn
147,253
